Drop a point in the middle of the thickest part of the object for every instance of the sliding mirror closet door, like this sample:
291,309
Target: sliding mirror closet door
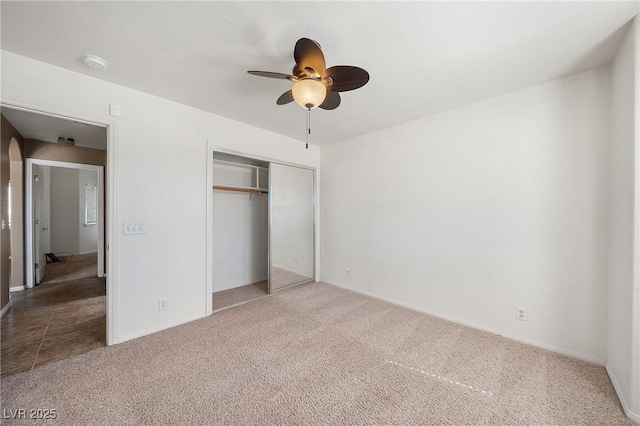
292,225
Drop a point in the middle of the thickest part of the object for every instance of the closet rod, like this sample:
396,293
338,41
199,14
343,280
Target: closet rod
240,189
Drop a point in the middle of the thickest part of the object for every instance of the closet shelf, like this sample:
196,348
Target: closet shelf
240,189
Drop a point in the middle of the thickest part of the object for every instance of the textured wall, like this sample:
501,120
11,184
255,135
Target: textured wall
470,213
71,154
623,326
7,132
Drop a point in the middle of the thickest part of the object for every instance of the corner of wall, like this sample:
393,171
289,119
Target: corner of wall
623,334
634,408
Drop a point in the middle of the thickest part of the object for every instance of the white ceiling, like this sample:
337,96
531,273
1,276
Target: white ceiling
48,129
423,57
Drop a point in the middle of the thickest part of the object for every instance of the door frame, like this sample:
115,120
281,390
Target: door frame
37,237
29,213
110,243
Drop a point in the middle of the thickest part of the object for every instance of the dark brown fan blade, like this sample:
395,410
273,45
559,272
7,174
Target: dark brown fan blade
332,101
308,54
271,74
347,78
285,98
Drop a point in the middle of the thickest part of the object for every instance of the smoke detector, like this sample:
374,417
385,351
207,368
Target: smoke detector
94,62
66,141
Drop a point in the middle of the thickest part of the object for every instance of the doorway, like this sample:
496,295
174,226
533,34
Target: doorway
79,222
63,310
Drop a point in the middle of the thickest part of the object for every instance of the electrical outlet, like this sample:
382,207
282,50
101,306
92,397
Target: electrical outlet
521,313
162,304
295,260
348,273
133,228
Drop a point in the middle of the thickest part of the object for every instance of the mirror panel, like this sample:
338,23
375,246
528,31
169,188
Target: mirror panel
292,225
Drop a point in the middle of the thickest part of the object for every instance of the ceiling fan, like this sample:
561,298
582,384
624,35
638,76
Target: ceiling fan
315,85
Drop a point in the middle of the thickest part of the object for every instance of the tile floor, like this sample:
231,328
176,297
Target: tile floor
52,322
72,268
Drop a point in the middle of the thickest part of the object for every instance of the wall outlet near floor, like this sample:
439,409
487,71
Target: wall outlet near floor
162,304
348,273
521,313
295,260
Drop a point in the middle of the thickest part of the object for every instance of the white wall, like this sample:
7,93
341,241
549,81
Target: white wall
67,228
158,167
472,212
87,234
623,331
65,203
240,232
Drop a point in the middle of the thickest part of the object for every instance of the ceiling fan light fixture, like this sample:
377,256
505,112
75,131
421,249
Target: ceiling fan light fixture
309,93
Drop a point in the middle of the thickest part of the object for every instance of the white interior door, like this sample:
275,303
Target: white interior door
39,225
46,211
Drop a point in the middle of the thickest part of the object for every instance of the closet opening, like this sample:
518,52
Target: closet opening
240,229
263,228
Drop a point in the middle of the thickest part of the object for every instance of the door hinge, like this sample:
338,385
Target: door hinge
37,265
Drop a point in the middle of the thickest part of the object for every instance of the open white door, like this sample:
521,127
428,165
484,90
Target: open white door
40,222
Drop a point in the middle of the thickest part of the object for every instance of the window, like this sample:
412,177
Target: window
90,205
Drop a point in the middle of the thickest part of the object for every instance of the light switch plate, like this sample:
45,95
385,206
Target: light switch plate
133,228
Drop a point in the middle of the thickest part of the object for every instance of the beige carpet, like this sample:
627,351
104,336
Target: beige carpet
318,355
281,278
76,267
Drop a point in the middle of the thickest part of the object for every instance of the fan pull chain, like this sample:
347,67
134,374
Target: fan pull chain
308,126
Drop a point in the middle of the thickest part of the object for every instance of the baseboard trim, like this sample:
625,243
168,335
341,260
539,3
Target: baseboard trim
16,288
616,387
471,324
5,309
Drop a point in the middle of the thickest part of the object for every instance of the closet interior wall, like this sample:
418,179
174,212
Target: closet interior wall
240,229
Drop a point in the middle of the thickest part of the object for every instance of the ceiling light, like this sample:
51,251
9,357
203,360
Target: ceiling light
94,62
309,93
66,141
